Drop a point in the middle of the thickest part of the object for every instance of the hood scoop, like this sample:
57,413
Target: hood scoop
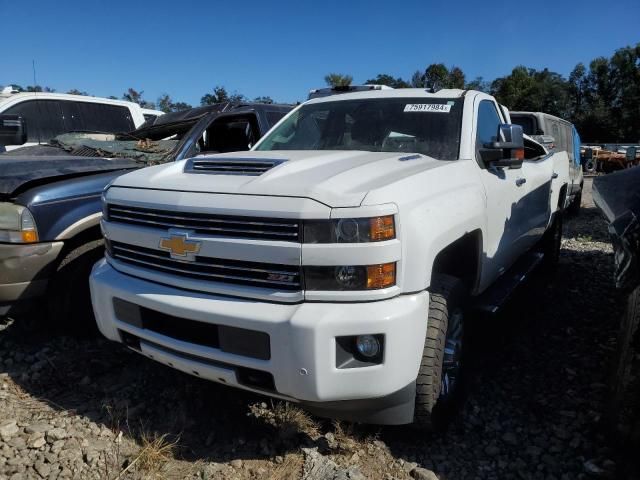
231,166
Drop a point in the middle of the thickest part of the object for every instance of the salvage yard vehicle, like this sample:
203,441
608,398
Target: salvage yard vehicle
50,198
334,264
616,196
558,135
50,114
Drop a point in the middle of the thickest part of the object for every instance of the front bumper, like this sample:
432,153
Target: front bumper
24,271
302,340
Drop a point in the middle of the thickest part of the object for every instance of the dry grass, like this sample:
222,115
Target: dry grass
156,451
290,417
287,418
290,469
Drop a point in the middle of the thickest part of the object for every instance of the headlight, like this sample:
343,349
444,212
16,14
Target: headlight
350,230
353,277
17,224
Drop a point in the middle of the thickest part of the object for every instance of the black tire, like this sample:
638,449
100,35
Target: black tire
574,207
627,348
550,245
69,298
590,166
434,408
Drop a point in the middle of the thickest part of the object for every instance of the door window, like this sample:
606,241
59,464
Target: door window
44,119
488,123
100,117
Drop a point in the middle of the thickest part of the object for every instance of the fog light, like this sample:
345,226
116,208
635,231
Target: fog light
368,346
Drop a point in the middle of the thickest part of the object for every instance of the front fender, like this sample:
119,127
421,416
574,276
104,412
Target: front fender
431,227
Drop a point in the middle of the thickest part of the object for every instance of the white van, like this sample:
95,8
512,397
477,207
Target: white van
556,134
49,114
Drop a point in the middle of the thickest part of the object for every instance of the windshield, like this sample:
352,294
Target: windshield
430,126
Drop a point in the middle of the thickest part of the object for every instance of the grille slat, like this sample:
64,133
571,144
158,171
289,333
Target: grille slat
263,275
220,225
232,166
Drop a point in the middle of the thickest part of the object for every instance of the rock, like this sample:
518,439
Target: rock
36,441
43,469
510,438
8,429
492,450
237,463
37,428
279,459
56,434
318,467
419,473
591,468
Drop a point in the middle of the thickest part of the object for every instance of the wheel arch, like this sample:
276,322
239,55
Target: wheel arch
461,259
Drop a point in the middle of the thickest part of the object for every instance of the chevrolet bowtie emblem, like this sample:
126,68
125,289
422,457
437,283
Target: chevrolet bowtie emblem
180,247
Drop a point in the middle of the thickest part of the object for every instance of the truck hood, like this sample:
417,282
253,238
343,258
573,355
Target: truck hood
18,173
335,178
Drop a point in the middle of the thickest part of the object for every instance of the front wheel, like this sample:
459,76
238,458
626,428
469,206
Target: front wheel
69,299
439,384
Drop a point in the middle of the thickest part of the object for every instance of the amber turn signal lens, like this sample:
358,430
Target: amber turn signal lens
381,276
519,154
382,228
29,236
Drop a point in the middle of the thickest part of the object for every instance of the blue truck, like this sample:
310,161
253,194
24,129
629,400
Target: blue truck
50,205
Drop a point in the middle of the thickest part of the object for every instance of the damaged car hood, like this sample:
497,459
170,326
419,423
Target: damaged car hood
339,178
16,173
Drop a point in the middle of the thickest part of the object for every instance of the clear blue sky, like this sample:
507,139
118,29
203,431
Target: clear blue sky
282,49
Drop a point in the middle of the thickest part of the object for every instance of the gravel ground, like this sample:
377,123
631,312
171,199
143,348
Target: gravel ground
87,408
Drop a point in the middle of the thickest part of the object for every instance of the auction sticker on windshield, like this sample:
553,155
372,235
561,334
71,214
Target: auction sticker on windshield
427,107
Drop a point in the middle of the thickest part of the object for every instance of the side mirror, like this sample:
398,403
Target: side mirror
508,150
13,130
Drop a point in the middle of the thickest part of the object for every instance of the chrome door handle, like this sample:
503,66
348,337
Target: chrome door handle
521,181
554,175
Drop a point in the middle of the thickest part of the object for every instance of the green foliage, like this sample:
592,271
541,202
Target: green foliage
75,91
267,100
166,104
388,80
438,76
221,95
338,80
135,96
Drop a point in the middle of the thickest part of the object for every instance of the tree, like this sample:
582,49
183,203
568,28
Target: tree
417,80
388,80
267,100
221,95
479,84
338,80
437,76
166,104
75,91
38,88
533,90
132,95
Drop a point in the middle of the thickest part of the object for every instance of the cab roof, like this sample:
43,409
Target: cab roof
394,93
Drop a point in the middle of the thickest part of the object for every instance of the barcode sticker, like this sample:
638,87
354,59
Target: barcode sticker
427,107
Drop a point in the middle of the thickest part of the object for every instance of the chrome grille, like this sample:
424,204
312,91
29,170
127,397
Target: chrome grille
231,166
219,225
257,274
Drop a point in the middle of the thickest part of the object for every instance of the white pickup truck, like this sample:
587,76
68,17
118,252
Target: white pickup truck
333,264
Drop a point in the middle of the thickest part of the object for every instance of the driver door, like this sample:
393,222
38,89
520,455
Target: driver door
506,217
